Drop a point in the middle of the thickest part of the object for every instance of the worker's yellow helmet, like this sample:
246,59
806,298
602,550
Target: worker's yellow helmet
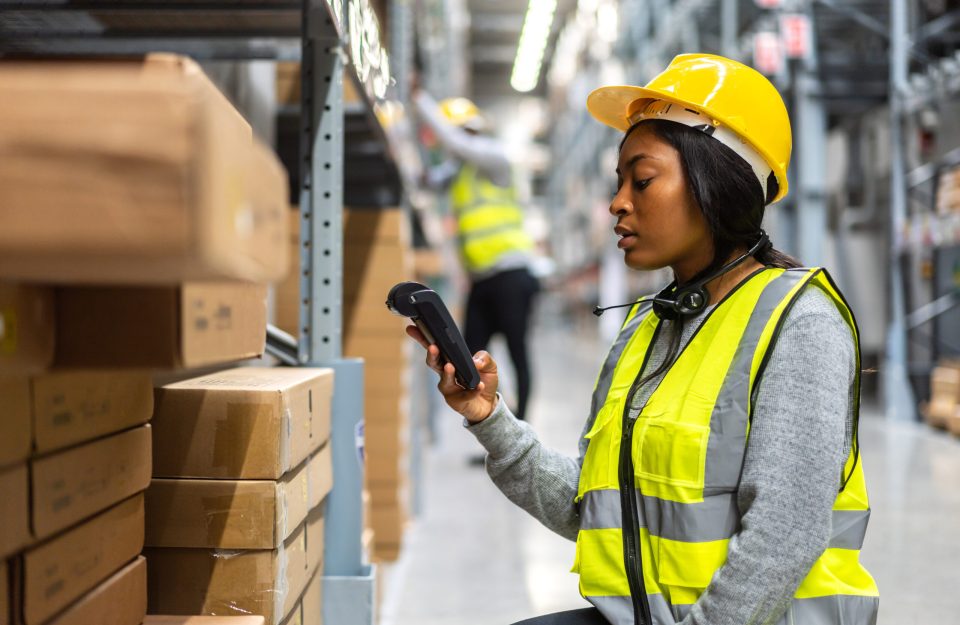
728,100
462,112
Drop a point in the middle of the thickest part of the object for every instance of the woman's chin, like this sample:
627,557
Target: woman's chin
636,260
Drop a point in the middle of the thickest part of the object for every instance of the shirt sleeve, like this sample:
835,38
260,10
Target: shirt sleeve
487,154
792,469
540,480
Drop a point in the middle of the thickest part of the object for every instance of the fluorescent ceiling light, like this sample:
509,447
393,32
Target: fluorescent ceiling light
533,41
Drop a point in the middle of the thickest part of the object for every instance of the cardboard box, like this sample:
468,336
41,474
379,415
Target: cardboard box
389,526
386,409
372,319
315,527
204,581
158,179
61,570
386,381
15,511
370,286
382,348
71,407
320,475
71,485
944,395
226,514
312,602
191,325
244,423
120,600
386,225
288,83
309,610
27,323
15,418
203,620
287,291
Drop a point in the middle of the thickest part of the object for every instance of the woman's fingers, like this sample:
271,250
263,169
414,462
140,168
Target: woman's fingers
415,333
433,358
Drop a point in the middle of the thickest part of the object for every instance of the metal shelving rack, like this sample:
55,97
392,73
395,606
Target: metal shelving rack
335,40
914,178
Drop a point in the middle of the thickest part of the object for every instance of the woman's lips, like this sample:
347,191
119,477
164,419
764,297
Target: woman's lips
627,237
627,241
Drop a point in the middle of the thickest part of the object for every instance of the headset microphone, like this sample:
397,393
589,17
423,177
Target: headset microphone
598,311
673,302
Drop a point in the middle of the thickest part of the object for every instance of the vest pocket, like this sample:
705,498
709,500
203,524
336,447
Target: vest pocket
671,453
601,460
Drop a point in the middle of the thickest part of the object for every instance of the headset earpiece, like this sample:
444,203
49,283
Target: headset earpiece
671,304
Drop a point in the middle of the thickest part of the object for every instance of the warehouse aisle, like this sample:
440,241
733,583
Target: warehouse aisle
472,558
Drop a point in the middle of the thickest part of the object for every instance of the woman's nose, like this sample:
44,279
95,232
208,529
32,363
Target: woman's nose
620,205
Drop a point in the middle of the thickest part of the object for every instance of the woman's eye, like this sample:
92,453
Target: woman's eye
640,185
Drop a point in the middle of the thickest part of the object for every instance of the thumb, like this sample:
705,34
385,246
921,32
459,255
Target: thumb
484,362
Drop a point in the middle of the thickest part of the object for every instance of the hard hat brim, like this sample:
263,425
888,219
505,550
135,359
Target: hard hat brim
610,106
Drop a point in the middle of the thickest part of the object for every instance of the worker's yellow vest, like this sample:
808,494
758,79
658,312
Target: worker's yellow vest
489,220
681,472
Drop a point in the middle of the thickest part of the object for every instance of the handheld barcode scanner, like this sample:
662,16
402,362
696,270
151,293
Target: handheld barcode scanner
430,314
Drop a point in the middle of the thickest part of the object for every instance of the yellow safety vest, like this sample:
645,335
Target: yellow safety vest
489,220
680,473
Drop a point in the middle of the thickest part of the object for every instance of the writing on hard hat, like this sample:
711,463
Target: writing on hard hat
725,99
462,112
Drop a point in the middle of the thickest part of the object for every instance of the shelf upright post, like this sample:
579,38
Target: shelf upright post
811,143
898,393
348,583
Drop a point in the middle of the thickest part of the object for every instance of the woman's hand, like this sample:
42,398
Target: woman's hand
475,405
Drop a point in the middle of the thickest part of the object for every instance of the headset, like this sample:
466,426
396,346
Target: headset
675,301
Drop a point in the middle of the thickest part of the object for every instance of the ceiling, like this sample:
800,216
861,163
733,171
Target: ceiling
495,27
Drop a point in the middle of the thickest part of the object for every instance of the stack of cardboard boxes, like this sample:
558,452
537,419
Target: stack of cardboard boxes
141,223
376,255
944,409
234,514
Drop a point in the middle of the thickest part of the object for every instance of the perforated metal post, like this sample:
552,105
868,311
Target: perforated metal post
898,394
348,583
321,196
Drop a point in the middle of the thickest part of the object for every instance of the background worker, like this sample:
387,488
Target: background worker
494,247
719,480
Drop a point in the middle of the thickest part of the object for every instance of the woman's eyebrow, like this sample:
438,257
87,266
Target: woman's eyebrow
635,159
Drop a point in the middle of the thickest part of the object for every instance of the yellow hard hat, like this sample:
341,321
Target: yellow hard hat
461,112
726,99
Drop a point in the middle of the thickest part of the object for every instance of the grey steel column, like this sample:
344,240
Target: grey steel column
348,583
811,134
321,197
729,25
898,394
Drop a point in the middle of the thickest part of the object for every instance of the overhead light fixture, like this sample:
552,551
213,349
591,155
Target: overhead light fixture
533,42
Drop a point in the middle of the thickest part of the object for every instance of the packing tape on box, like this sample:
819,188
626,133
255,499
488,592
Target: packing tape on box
218,510
282,588
283,514
285,443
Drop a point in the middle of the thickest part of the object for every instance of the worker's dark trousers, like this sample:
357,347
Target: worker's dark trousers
586,616
502,304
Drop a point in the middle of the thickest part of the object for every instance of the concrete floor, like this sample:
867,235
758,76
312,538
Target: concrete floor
472,558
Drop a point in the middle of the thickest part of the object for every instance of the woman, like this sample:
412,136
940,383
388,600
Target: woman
718,481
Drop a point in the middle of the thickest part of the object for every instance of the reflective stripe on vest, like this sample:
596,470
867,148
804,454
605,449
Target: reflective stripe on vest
489,220
688,446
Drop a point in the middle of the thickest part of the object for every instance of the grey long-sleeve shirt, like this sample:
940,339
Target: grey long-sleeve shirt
486,153
799,439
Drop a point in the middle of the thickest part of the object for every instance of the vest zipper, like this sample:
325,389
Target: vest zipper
632,558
